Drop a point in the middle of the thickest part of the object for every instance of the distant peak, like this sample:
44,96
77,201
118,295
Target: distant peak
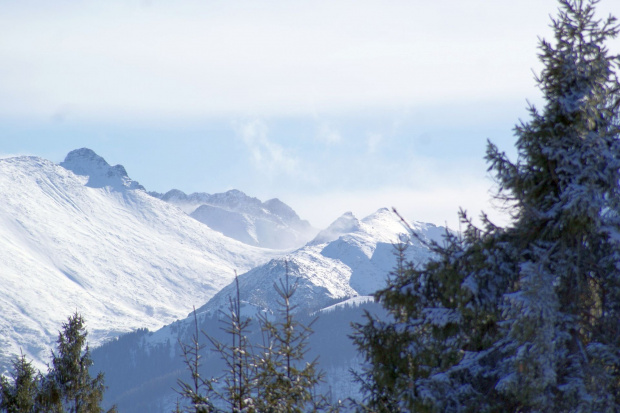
82,152
345,224
236,192
86,162
83,160
279,208
175,194
381,214
274,201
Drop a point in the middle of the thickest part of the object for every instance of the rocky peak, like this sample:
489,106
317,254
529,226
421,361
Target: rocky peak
86,162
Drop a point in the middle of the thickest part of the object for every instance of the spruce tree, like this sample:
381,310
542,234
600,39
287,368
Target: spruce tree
199,390
523,318
68,386
285,382
258,378
19,394
239,379
564,313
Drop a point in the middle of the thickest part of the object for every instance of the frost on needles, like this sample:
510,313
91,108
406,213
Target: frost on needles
522,318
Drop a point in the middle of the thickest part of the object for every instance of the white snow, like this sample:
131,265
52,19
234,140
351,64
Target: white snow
95,242
355,261
269,224
351,302
120,257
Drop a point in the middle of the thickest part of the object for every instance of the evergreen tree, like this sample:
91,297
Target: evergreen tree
199,390
522,318
285,382
68,386
564,313
240,375
268,378
19,394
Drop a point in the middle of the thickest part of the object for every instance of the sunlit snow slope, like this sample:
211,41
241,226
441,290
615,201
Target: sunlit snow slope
99,245
269,224
350,258
344,264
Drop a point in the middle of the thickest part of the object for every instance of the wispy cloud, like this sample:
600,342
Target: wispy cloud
267,156
188,59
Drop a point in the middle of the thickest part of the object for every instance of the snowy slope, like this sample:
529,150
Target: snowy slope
269,224
351,257
335,273
366,249
97,243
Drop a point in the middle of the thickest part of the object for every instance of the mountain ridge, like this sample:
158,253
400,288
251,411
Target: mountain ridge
122,258
333,279
353,263
269,224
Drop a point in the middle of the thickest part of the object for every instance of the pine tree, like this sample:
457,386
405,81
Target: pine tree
522,318
566,186
19,395
381,342
268,378
240,375
68,386
199,390
285,382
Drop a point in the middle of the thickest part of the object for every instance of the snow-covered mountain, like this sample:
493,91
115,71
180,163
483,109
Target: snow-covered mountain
82,236
85,162
350,258
269,224
344,264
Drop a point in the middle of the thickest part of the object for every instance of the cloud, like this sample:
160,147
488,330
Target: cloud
328,134
188,59
267,156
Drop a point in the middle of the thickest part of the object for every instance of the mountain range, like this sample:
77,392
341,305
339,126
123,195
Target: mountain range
269,224
333,274
83,236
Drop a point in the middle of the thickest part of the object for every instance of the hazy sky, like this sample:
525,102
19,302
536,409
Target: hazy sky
331,106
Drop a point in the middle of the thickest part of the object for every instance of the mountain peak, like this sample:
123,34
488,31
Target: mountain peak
86,162
281,209
345,224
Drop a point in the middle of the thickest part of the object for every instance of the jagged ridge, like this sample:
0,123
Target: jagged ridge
269,224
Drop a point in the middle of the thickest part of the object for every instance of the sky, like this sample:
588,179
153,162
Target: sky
330,106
